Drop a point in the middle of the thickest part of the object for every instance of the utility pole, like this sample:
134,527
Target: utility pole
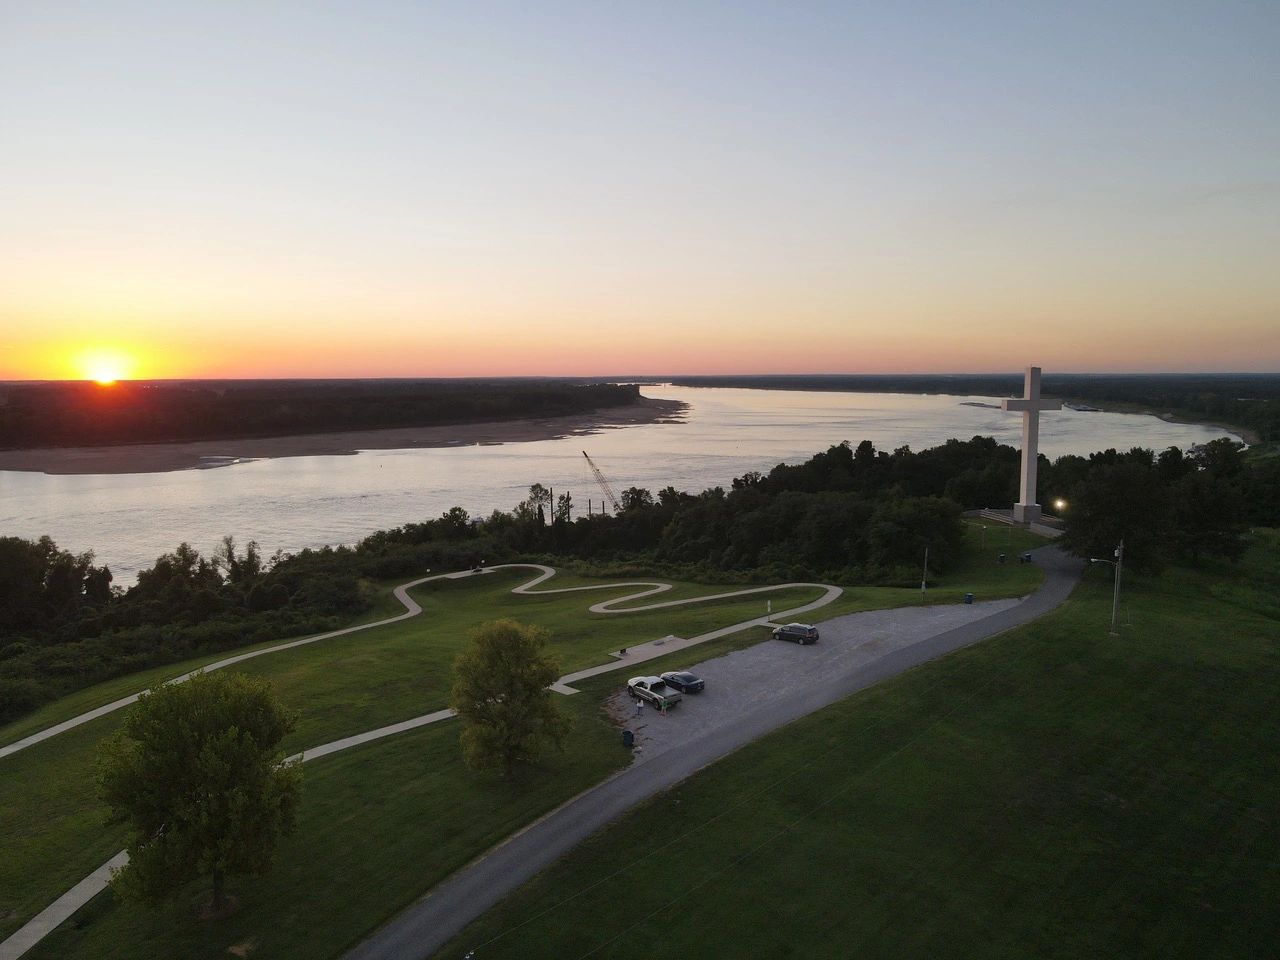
1115,599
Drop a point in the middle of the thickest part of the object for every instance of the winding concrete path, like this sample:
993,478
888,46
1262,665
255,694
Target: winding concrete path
445,911
411,609
61,909
433,921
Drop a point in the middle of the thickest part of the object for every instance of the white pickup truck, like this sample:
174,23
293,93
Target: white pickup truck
655,690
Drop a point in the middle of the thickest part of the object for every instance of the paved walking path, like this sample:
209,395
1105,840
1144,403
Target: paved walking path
61,909
430,923
411,609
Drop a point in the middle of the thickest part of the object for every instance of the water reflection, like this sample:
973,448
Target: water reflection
308,501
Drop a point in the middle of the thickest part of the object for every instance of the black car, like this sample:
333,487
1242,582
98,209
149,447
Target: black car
800,633
684,681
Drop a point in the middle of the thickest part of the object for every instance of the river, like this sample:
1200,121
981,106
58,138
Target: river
290,503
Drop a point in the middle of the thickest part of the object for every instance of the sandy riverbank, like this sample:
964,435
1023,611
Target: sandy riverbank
1246,434
163,457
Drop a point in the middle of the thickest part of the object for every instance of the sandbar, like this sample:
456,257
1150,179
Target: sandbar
204,454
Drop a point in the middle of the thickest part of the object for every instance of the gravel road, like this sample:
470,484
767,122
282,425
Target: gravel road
742,682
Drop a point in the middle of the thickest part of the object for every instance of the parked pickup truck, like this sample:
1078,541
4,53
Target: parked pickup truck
655,691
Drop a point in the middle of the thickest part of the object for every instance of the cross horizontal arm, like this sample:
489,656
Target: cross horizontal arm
1022,405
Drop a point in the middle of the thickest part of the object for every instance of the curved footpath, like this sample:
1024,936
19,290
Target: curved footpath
411,609
430,923
61,909
445,911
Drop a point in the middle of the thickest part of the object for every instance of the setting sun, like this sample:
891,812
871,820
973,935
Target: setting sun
104,367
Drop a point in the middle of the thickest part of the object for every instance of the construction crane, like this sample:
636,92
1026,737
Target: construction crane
604,485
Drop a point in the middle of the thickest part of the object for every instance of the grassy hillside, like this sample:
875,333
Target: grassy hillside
347,685
1053,792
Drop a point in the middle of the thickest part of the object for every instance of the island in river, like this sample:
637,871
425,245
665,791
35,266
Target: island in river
81,428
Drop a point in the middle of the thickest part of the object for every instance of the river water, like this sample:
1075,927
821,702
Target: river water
290,503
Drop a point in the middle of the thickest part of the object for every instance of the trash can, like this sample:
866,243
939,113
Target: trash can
968,598
628,739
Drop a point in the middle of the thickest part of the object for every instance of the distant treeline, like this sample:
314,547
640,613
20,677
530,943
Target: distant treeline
852,515
1249,401
86,414
64,625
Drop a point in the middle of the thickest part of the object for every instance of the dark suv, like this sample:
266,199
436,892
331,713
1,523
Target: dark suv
800,633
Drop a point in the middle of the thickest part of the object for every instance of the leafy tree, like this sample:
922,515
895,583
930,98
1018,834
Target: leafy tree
635,498
564,508
1208,517
1222,459
539,500
500,692
196,772
238,569
1120,501
42,586
456,523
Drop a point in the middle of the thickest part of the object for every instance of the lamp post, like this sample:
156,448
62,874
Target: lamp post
924,577
983,528
1118,563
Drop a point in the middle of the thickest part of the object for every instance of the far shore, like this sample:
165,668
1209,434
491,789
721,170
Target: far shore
206,454
1248,435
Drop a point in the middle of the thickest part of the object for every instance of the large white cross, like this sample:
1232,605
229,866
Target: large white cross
1027,510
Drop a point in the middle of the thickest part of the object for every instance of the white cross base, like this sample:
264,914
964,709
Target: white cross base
1027,509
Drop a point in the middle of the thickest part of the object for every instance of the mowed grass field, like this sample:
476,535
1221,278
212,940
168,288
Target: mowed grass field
54,834
54,831
1052,792
378,827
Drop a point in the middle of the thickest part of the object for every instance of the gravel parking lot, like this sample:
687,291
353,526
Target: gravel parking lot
743,681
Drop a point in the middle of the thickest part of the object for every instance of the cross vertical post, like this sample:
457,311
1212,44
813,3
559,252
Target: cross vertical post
1027,509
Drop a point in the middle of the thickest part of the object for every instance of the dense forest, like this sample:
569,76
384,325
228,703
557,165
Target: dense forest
853,515
1248,401
76,413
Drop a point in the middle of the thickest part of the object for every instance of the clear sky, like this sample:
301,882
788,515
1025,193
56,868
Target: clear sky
400,189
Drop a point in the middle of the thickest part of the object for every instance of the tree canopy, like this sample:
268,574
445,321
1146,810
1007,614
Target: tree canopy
850,514
196,773
500,693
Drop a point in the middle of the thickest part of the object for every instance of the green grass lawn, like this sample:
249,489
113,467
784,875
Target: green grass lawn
385,605
378,826
53,822
1052,792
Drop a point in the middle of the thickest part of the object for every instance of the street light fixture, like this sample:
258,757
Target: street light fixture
1118,563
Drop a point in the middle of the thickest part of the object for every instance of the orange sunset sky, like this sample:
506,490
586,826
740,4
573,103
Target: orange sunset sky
233,191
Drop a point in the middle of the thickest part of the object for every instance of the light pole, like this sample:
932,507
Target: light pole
924,576
1118,563
983,528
